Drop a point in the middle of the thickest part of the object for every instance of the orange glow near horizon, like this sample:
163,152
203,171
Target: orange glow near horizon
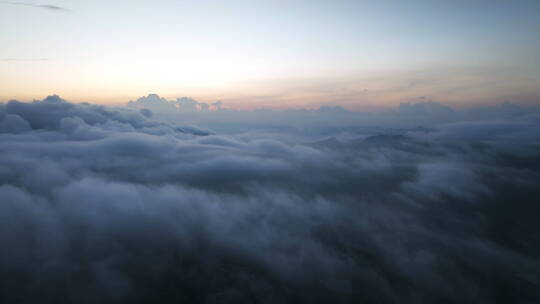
273,54
458,88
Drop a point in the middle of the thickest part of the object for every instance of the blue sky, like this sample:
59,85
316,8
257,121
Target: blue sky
273,53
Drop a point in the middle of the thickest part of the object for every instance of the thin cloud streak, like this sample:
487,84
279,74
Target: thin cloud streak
23,59
44,6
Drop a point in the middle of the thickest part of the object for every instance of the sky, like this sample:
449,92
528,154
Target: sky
276,54
123,180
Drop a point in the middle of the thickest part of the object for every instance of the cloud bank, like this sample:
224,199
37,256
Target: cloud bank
326,119
115,205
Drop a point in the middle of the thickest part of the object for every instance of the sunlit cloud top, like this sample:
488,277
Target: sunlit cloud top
273,53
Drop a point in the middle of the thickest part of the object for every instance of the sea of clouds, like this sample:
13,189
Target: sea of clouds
186,202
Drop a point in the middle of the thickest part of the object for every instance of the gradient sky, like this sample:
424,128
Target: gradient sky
358,54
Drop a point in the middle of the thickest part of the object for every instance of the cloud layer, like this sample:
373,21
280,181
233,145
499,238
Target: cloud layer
114,205
325,119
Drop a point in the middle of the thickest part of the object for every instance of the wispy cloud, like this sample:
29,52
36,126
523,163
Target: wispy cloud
44,6
23,59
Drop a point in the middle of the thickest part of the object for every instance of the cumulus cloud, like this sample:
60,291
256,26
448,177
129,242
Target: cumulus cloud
324,120
115,205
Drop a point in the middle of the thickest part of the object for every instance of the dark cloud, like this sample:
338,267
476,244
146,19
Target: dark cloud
113,205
